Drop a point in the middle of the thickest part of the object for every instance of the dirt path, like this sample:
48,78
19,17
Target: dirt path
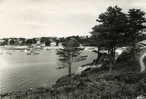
141,61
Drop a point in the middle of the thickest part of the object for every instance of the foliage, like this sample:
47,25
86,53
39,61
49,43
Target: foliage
21,41
12,42
136,20
45,40
117,85
69,52
117,29
31,41
111,30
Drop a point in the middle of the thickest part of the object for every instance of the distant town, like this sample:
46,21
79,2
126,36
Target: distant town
32,46
51,41
39,41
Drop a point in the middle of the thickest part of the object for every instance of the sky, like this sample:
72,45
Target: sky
35,18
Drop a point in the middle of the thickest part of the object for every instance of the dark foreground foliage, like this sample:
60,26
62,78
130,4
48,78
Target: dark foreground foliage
89,85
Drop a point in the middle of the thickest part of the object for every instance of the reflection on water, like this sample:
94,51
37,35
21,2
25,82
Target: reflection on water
19,71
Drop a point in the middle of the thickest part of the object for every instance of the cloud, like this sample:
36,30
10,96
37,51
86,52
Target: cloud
54,17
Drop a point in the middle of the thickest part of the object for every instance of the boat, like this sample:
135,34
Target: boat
28,51
31,51
35,53
1,52
9,53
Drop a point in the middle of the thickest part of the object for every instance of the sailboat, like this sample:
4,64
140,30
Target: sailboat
28,51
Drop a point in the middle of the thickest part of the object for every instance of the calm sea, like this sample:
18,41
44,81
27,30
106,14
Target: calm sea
19,71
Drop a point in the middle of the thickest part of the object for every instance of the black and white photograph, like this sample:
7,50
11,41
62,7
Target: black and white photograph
72,49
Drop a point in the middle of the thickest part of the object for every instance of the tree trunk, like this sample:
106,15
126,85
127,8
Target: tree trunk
112,59
134,48
114,53
134,51
69,64
110,67
98,56
69,69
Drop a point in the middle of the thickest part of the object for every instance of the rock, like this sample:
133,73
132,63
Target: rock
141,97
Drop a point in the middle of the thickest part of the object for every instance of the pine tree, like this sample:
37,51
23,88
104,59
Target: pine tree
136,20
70,53
110,31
